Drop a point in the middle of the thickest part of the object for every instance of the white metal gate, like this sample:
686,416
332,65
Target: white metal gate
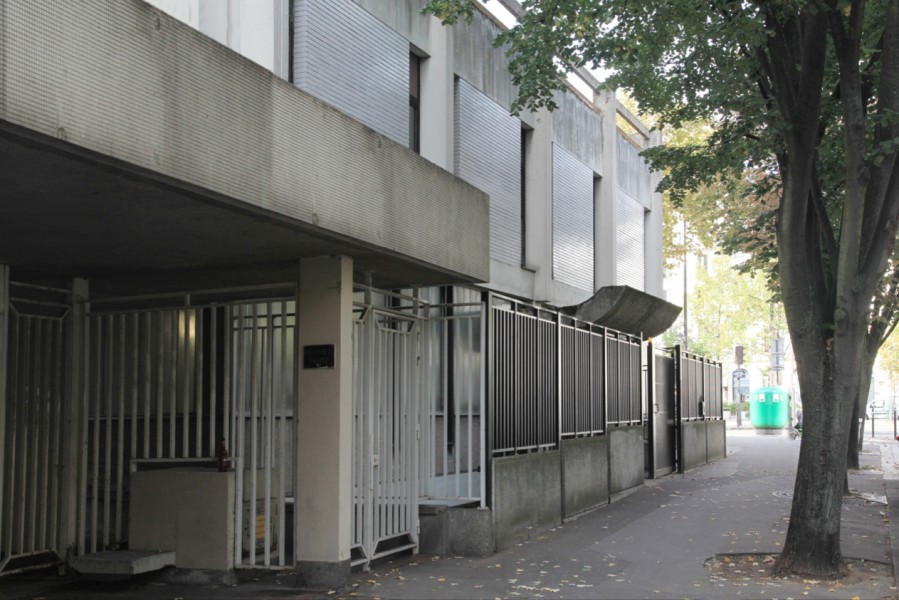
453,440
32,424
387,391
175,384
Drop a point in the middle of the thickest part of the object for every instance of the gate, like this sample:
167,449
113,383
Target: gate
33,416
662,418
169,387
453,444
386,399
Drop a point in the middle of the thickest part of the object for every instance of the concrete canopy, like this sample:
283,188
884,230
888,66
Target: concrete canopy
67,213
623,308
146,157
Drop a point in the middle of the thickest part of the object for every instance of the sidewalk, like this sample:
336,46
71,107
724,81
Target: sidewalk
651,544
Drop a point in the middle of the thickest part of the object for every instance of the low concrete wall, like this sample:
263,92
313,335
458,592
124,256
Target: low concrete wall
188,511
626,461
717,439
693,445
527,493
585,474
471,531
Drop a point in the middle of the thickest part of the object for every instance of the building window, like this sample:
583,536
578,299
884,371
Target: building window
414,102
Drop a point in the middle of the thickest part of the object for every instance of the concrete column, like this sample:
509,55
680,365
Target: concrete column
653,259
539,205
438,98
324,422
606,220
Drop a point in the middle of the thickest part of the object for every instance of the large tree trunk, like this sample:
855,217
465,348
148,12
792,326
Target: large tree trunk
812,546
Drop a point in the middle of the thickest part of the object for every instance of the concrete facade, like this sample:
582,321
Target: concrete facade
183,149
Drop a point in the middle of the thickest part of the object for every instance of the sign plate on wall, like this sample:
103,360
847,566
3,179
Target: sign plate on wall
318,357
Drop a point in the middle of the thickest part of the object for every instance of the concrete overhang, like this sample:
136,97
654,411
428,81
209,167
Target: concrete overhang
623,308
146,157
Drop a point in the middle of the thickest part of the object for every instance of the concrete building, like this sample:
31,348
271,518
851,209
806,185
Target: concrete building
284,285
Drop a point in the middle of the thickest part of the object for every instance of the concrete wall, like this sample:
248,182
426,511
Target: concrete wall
717,440
693,445
188,511
626,462
585,474
527,493
94,73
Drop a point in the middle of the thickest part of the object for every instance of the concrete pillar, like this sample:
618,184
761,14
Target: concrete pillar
605,216
76,361
653,259
437,104
539,205
324,422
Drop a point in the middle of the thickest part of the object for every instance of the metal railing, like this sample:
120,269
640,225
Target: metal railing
699,386
553,376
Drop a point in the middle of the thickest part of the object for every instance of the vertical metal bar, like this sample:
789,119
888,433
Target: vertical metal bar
147,380
120,441
371,431
185,364
239,400
174,348
482,406
34,426
227,369
267,417
27,414
5,319
198,381
284,403
58,434
134,347
160,381
13,401
85,440
107,418
41,437
95,464
213,377
254,427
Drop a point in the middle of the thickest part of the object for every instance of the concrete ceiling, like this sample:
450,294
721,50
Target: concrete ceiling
67,213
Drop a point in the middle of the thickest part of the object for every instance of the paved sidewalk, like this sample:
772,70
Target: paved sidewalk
651,544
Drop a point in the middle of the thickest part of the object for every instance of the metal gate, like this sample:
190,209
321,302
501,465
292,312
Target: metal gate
387,392
33,417
173,385
662,421
453,423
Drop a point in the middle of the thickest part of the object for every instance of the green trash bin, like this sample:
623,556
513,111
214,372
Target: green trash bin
769,408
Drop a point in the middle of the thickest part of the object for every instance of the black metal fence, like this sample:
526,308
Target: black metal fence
553,377
699,386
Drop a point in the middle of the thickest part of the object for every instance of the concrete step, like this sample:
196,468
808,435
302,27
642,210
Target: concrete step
122,563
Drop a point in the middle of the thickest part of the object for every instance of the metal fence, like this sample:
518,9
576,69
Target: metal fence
171,385
553,376
33,417
583,392
453,365
699,386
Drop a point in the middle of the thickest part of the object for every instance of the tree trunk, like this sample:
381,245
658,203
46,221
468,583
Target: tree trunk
812,546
